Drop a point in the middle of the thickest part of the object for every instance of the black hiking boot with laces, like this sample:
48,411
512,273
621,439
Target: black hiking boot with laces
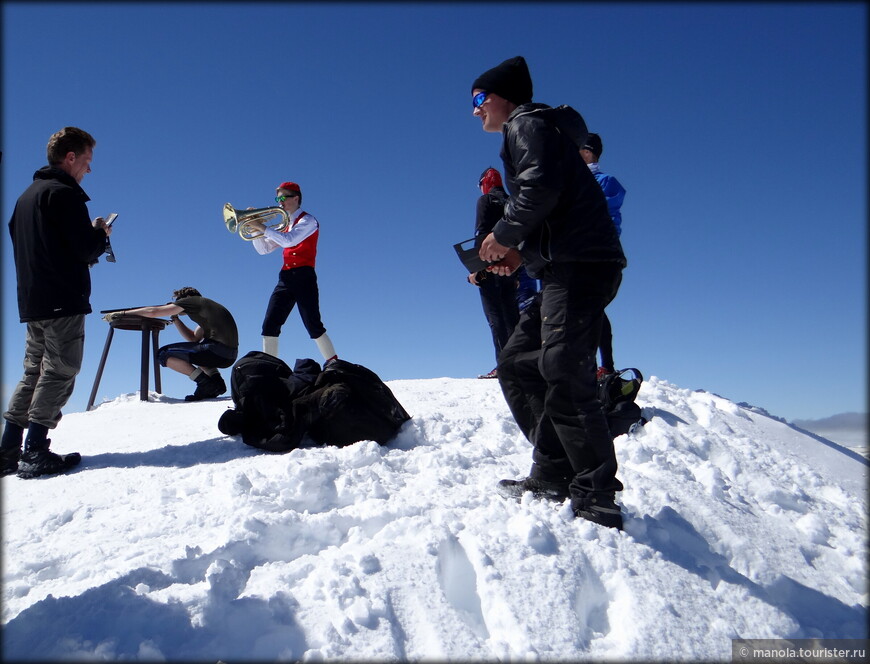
600,508
39,461
557,491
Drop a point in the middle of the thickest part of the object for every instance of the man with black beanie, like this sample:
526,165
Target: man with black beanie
556,223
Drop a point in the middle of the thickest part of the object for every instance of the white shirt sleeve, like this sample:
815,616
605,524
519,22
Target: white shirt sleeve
264,245
305,227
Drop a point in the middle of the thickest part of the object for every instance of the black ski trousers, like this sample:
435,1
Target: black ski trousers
605,345
498,295
547,375
295,286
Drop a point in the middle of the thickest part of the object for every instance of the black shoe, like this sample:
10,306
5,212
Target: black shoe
557,491
207,387
220,384
598,508
42,461
9,460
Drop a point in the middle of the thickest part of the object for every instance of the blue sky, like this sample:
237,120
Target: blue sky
737,129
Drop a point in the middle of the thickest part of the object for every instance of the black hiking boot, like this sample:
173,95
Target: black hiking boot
557,491
9,460
207,387
599,508
39,461
219,385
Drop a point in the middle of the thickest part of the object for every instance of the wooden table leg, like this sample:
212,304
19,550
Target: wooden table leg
143,383
154,346
101,367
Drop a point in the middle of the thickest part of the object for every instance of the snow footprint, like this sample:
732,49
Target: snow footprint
459,582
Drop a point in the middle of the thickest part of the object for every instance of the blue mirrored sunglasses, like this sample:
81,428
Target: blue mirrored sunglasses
478,99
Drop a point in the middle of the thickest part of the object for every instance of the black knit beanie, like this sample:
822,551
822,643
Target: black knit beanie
510,80
593,144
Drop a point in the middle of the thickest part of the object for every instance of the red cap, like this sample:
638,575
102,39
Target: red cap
289,186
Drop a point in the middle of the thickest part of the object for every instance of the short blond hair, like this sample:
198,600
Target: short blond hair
68,139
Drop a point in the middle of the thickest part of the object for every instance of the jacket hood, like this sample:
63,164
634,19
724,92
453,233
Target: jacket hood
565,118
55,173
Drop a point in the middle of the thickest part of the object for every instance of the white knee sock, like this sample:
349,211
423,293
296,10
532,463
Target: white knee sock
325,345
270,346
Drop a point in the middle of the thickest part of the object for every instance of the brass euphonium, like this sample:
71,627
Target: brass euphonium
241,221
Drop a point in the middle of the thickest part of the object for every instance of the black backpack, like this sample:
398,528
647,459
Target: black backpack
617,395
349,403
263,388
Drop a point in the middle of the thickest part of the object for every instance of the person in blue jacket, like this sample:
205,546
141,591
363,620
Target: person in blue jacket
614,192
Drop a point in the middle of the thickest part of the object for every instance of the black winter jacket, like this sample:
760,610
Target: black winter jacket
490,208
54,243
557,211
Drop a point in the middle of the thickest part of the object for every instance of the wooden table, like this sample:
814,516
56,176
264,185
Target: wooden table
145,325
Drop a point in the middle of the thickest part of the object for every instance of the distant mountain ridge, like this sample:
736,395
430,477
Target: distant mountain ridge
849,429
839,421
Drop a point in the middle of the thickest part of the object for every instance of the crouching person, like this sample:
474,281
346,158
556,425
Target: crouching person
212,345
276,407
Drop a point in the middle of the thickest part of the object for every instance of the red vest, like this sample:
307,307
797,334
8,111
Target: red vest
303,253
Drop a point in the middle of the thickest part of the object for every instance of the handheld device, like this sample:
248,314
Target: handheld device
111,218
467,253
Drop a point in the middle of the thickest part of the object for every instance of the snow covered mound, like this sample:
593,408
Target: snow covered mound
174,542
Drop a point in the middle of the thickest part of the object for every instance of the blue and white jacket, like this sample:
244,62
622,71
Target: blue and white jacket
614,192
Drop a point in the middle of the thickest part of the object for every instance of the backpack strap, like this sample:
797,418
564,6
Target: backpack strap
637,374
613,388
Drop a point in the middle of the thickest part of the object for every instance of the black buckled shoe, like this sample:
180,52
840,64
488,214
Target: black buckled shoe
600,508
556,491
42,461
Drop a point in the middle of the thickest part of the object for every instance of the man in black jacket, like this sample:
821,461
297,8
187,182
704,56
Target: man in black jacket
54,243
498,294
556,223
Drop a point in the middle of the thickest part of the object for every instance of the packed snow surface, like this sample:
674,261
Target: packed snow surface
174,542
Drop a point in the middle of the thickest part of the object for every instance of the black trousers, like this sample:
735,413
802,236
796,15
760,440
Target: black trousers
547,375
295,286
498,295
605,345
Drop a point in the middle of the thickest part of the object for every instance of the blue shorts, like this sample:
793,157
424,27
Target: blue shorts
204,354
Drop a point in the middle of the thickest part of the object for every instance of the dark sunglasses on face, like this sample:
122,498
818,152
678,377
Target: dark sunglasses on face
478,99
281,199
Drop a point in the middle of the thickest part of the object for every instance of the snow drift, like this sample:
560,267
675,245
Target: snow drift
173,542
